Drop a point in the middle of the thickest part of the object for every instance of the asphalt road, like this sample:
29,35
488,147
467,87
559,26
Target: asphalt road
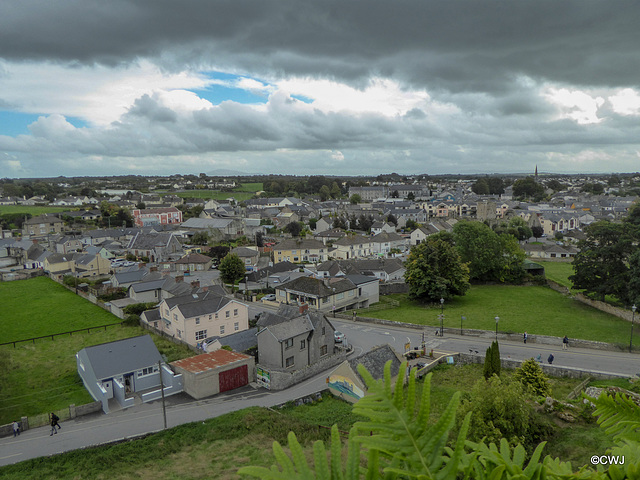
146,418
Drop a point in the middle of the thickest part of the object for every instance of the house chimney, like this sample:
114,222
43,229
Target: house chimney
303,308
35,241
195,284
153,269
179,278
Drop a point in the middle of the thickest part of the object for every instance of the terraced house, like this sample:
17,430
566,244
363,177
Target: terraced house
298,250
194,318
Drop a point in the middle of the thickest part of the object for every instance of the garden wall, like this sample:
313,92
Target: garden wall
282,378
602,306
397,287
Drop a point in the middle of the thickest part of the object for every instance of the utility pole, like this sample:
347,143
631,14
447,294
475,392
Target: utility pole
164,408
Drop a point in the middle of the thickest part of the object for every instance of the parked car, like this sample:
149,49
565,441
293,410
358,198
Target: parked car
269,298
339,336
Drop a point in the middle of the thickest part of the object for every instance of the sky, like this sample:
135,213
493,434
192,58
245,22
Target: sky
322,87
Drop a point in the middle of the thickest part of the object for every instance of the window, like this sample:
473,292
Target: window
155,324
351,293
289,362
288,343
175,317
201,335
323,350
236,326
303,344
216,316
197,320
323,330
209,317
221,329
227,314
293,252
179,333
147,371
282,293
235,312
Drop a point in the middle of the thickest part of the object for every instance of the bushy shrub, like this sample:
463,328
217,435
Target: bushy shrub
533,378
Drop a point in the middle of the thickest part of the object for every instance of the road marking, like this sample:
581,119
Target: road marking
9,456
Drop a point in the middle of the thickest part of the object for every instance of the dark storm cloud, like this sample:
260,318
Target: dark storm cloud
452,45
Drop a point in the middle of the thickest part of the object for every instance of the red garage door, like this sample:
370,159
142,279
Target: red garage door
234,378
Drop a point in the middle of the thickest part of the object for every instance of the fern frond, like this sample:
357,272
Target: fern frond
320,461
285,462
299,459
619,415
398,397
353,455
336,454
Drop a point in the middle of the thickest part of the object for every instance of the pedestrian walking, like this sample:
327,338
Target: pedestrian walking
524,337
565,343
54,423
16,429
550,359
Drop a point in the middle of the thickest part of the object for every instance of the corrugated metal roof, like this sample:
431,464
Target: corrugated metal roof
210,361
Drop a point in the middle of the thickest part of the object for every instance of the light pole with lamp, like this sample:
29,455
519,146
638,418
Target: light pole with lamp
633,315
441,316
334,302
497,320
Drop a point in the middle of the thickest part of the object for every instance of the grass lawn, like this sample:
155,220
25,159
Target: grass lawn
40,306
239,196
249,187
33,210
559,272
218,447
42,377
537,310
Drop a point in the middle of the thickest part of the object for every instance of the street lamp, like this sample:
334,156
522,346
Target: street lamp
441,316
246,287
334,302
462,317
633,314
497,320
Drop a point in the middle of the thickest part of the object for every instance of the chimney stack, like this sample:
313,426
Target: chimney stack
304,307
179,278
195,284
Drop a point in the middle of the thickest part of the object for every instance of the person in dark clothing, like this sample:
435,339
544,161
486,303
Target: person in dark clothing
565,342
550,359
54,423
524,337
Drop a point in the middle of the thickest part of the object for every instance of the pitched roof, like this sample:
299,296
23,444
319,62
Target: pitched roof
317,288
122,356
297,244
194,258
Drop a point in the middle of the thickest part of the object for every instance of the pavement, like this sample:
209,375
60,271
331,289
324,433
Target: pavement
97,429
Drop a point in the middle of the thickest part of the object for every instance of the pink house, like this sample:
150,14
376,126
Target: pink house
157,216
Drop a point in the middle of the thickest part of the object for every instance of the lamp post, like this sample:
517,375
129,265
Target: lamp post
334,302
633,315
441,316
497,320
246,287
462,317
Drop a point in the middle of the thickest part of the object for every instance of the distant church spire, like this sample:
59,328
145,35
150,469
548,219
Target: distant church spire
536,172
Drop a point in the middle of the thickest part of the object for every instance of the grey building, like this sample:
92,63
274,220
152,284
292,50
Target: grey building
115,372
294,338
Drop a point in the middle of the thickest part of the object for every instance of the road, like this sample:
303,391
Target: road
146,418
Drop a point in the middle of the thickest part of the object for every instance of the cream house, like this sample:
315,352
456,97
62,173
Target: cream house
298,250
194,318
355,246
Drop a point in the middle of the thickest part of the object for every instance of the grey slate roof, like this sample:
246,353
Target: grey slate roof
315,287
122,356
211,304
239,341
375,360
290,328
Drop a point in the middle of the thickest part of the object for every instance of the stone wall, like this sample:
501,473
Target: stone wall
281,379
602,306
551,370
395,287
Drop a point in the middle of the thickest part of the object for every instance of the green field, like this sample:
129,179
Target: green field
559,272
33,210
534,309
40,306
250,187
42,376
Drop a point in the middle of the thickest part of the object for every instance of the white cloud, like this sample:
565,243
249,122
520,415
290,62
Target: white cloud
576,105
626,102
97,94
383,96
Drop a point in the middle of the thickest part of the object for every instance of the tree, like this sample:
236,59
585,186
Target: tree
434,271
492,364
519,229
218,252
335,190
392,220
491,257
481,187
601,264
325,193
231,268
634,279
294,228
200,238
528,188
537,231
259,239
355,199
533,378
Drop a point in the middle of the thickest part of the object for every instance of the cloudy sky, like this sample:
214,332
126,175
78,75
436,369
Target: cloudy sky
95,87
